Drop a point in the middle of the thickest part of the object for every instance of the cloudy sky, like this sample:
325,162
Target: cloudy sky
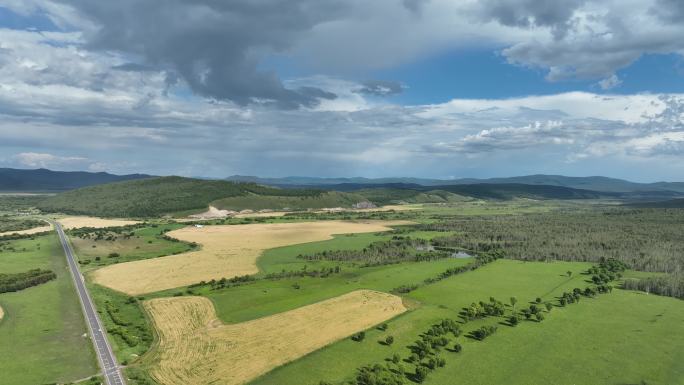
430,88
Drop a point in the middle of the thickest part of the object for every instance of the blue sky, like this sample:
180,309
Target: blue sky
344,88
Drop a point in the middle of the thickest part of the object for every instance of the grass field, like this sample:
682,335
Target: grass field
227,251
526,281
620,338
41,336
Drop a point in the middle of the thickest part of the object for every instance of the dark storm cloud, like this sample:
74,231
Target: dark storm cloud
671,11
531,13
215,46
380,88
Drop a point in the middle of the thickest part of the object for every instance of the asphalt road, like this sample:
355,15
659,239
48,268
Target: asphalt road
110,368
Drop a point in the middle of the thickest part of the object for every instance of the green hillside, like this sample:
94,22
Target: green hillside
386,195
672,204
167,195
298,202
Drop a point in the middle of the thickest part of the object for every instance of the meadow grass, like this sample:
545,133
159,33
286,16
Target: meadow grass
603,350
620,338
267,297
41,335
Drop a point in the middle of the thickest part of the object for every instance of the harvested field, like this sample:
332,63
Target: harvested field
78,222
227,251
34,230
263,215
195,348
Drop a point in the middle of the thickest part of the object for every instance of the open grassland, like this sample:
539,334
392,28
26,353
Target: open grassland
227,251
79,222
267,297
584,343
41,336
105,248
445,299
620,338
196,348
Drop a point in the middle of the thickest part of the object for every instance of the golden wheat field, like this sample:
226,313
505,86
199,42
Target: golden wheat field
227,251
78,222
195,348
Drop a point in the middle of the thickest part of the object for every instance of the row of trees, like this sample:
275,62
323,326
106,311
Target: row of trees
397,249
20,281
670,285
10,224
480,260
323,272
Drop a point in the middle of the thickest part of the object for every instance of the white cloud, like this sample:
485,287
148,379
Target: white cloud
59,97
44,160
610,82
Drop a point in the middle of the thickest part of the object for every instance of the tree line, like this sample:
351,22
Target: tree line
425,352
480,260
20,281
397,249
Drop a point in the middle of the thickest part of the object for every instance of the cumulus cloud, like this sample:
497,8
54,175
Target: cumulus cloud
216,47
380,87
130,102
44,160
556,15
610,82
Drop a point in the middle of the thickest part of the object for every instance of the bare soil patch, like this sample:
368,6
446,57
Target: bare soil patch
78,222
2,313
227,251
195,348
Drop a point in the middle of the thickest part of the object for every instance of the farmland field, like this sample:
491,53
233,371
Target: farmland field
78,222
43,325
195,348
221,330
227,251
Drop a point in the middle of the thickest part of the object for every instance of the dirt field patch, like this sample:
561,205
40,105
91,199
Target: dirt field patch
227,251
77,222
34,230
2,313
195,348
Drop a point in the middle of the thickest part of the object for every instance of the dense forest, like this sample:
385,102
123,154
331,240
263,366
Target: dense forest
644,239
647,240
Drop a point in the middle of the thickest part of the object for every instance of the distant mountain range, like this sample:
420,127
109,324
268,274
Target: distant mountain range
43,180
593,183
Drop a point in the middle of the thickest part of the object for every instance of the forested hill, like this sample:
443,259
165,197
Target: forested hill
393,193
168,195
41,180
593,183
